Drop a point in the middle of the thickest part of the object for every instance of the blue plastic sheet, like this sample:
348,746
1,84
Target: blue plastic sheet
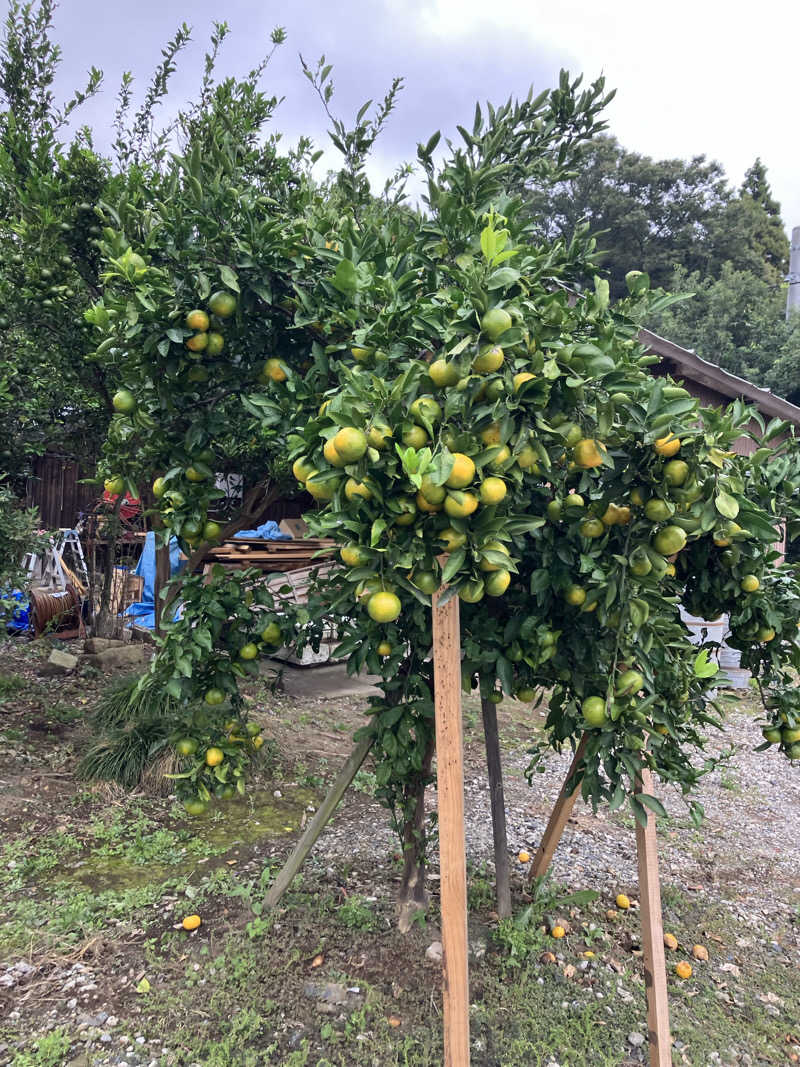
268,531
143,612
21,619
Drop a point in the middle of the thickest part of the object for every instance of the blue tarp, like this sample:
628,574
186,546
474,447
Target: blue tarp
143,613
268,531
21,619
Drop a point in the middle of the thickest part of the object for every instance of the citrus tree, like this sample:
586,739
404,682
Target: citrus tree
464,414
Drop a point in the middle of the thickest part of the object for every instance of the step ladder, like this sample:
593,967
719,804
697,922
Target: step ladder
56,572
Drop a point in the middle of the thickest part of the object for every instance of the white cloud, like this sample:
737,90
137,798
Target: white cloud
692,77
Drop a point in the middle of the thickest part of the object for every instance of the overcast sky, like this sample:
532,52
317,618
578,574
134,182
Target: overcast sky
692,77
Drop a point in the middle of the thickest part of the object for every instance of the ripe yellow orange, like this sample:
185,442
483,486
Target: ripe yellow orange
332,456
353,489
384,607
501,458
588,453
491,435
683,969
442,373
497,583
521,378
489,360
302,468
191,922
318,489
463,472
700,952
379,433
670,941
667,446
524,857
432,492
214,756
425,409
197,320
750,583
558,932
424,504
452,539
198,342
492,546
273,370
354,555
575,595
622,902
350,443
384,649
492,490
458,505
114,485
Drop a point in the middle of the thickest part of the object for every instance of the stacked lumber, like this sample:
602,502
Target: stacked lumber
291,555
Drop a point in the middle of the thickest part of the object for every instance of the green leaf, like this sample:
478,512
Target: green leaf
455,562
229,278
653,804
702,667
346,279
726,505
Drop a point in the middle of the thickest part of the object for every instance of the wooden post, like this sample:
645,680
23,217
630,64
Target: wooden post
655,973
558,818
318,823
452,846
495,769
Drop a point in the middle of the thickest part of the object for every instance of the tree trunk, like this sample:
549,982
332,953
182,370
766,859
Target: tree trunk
501,867
412,897
103,624
163,572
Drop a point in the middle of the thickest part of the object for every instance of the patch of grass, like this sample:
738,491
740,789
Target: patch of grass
365,782
356,914
49,1050
11,684
480,890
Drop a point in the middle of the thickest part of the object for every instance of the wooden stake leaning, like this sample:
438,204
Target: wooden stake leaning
323,816
655,968
655,972
558,818
495,769
452,845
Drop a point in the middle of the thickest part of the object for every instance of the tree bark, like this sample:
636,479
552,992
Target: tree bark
501,865
103,623
257,499
412,897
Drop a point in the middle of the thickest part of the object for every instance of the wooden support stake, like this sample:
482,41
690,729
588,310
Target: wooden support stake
558,818
495,769
452,845
321,819
655,973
